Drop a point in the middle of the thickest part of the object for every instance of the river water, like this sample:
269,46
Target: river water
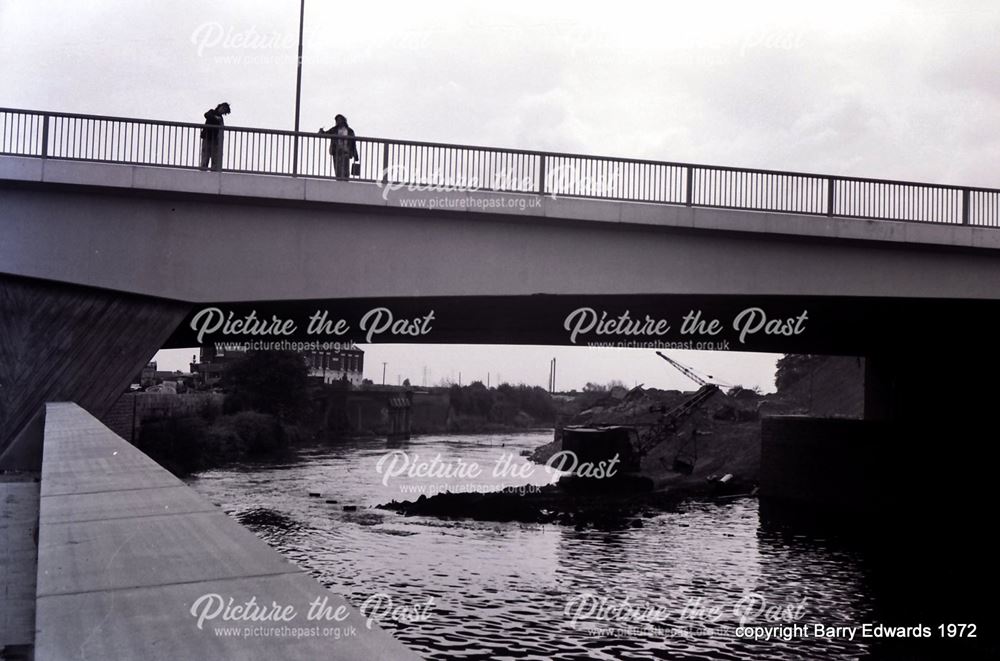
675,588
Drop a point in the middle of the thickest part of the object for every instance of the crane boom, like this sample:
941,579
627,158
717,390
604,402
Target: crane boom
685,370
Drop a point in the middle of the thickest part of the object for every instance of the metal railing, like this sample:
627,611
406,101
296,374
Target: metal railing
446,166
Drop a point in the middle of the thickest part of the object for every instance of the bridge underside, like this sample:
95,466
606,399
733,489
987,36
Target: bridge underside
930,361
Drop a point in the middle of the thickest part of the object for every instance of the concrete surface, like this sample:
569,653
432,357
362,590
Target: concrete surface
18,528
221,237
271,187
126,550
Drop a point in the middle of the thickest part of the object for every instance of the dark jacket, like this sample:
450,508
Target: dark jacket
352,147
213,118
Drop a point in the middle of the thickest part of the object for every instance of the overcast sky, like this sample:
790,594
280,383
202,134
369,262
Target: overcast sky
900,90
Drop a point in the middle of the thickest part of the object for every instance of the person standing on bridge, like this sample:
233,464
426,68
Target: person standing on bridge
343,147
211,137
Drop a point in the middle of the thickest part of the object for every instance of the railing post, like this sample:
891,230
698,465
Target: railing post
831,187
688,195
541,174
45,135
385,162
965,206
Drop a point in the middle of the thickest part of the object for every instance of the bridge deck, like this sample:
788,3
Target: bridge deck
126,549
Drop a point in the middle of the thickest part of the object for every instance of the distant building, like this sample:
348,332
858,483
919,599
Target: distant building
147,376
330,366
345,365
150,379
212,363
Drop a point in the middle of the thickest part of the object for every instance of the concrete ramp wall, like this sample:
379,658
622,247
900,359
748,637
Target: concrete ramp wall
126,549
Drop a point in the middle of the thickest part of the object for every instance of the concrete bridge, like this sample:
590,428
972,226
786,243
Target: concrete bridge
112,242
124,254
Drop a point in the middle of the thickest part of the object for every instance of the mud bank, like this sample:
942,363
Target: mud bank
606,506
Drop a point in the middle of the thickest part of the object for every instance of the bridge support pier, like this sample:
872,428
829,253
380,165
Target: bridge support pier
61,342
913,484
927,434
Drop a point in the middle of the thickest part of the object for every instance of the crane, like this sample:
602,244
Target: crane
690,373
670,420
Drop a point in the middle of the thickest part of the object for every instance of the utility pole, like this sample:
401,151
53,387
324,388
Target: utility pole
383,373
298,91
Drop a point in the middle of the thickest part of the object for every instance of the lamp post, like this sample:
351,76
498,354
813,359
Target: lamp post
298,91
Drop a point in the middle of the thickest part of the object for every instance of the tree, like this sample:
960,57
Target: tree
271,382
479,399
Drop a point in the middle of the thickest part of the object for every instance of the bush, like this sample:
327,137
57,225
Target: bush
176,443
271,382
184,445
247,434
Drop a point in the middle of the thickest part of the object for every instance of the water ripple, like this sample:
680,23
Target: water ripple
500,591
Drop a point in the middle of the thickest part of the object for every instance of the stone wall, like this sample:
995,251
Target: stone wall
132,410
834,388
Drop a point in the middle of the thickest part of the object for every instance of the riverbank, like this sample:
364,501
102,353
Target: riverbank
189,444
721,437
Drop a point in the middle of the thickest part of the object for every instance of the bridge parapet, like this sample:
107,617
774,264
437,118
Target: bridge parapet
441,167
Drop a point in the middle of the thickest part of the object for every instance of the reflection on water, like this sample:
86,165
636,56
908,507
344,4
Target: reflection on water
512,590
